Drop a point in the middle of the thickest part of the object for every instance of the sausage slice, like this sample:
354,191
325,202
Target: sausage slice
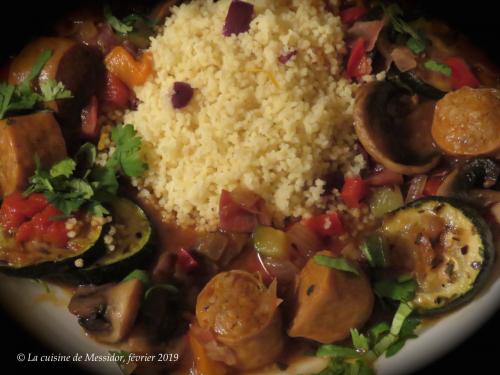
77,66
330,302
243,315
23,137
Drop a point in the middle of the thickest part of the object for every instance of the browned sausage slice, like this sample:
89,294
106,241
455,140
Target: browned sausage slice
23,137
243,315
77,66
330,302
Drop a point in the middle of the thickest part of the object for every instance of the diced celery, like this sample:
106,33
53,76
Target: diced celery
271,242
385,200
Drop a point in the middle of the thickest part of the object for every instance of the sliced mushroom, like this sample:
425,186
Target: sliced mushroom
108,312
395,129
477,174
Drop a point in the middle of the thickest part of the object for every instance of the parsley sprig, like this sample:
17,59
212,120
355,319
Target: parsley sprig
127,24
416,41
381,339
72,184
22,97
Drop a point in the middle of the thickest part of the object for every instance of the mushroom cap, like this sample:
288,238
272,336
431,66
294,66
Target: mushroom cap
393,130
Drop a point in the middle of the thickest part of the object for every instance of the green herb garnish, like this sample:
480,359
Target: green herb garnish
143,276
126,156
438,67
374,249
417,46
119,26
402,289
416,42
23,98
340,264
140,275
75,183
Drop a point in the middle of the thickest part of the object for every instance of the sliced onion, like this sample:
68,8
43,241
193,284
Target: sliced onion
212,245
238,18
385,177
183,92
404,59
283,270
106,39
285,57
247,199
416,188
368,30
304,239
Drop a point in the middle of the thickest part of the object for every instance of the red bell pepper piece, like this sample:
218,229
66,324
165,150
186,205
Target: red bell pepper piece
326,225
116,94
432,185
16,209
353,191
358,63
89,116
186,261
350,15
461,75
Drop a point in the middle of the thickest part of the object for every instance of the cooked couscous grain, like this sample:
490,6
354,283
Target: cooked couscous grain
253,122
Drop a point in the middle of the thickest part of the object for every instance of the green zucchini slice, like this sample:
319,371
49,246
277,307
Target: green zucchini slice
36,259
131,241
446,245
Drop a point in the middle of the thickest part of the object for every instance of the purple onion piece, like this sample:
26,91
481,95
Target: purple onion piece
238,18
183,92
285,57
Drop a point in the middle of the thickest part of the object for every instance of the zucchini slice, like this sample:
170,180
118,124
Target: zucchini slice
36,259
131,241
446,245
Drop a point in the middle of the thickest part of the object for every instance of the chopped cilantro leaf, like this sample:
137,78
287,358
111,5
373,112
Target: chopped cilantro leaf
115,23
126,156
438,67
417,46
22,97
53,90
399,290
340,264
140,275
63,168
330,350
359,340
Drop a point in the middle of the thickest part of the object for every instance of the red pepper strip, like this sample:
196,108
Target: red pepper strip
326,225
116,93
44,227
432,185
461,75
186,261
358,64
353,191
350,15
90,125
17,209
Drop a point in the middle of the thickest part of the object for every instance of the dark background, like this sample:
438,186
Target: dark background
479,19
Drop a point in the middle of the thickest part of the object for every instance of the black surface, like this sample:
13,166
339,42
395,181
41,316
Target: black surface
479,19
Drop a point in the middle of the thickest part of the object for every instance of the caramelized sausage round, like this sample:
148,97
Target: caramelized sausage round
23,137
76,65
330,302
243,315
467,122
